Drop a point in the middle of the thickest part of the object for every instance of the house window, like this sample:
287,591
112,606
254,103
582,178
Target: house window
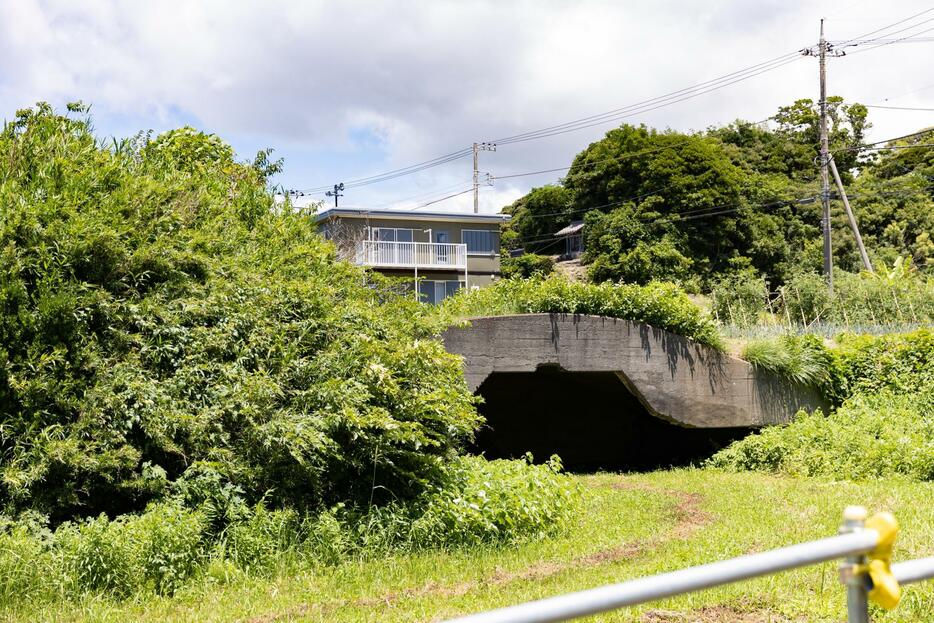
431,291
479,241
392,234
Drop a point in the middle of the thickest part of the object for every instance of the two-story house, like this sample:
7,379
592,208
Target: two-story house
441,251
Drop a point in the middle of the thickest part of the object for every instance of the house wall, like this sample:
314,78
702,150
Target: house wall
353,230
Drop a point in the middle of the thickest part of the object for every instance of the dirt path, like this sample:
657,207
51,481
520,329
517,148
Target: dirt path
689,517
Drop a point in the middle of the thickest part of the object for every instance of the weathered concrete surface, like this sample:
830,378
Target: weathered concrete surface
675,378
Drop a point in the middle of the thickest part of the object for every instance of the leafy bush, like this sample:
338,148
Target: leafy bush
495,501
258,542
528,265
662,305
160,320
476,502
879,435
856,364
157,550
738,299
899,362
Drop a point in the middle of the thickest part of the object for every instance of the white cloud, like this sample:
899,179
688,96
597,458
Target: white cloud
423,78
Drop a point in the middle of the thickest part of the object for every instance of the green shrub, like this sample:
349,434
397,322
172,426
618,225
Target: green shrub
880,435
661,305
99,557
899,362
496,501
902,362
28,570
171,542
859,300
158,314
738,299
480,502
157,550
527,265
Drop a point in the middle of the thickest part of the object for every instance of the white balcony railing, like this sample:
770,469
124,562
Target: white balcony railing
412,254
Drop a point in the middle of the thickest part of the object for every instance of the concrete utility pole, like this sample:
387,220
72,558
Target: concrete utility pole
477,148
851,217
824,160
824,48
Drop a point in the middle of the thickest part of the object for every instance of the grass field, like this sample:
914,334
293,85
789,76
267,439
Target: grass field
631,526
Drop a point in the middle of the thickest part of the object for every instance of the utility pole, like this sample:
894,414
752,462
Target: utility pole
851,217
821,53
824,48
336,192
477,148
824,158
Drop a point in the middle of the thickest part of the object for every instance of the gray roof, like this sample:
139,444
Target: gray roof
462,217
574,228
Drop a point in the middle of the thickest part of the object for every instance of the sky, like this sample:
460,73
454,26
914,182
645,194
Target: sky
348,89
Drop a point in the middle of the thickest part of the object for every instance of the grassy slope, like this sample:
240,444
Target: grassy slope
633,526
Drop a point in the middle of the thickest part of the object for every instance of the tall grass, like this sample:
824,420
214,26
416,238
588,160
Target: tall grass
167,546
874,304
803,360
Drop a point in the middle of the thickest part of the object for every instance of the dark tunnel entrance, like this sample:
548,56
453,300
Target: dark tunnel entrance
590,419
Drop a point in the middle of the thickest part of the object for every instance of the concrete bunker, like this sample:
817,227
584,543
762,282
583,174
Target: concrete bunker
590,419
610,393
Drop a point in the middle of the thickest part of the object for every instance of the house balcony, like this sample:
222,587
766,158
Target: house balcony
422,255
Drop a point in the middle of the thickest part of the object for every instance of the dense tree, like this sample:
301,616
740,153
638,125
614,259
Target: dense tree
744,197
164,330
536,217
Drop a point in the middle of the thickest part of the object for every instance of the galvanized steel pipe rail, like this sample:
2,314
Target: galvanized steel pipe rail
854,543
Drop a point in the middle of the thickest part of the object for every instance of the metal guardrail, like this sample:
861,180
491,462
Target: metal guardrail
867,573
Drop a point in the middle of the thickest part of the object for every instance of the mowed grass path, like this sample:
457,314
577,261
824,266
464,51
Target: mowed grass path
631,526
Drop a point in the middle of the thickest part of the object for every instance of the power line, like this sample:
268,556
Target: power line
898,107
918,90
594,163
632,109
703,213
884,148
409,170
641,108
463,192
901,21
425,194
626,156
886,140
907,38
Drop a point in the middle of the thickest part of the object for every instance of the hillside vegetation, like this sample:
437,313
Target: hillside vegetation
738,200
882,421
191,380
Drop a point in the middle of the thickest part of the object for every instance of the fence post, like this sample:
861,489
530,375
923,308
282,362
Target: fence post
856,581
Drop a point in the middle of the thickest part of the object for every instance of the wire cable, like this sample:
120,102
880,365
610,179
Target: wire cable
639,108
898,107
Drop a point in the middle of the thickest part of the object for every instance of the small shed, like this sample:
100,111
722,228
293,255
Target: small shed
573,239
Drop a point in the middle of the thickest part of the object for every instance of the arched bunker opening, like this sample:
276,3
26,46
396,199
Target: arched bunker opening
590,419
